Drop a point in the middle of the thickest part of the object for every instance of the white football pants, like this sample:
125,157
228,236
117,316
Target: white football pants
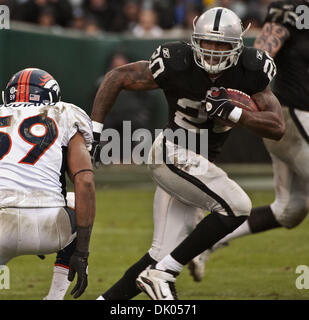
290,157
33,231
186,192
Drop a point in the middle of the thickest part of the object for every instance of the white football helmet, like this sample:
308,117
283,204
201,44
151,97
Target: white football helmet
217,24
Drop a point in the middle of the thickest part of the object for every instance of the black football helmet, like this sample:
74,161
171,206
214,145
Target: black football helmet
32,85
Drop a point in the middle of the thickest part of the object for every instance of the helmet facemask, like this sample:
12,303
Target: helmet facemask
226,58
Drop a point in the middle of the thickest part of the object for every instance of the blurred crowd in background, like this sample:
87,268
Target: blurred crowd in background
139,18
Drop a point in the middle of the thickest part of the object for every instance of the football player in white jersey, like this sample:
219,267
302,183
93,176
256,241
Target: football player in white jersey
42,138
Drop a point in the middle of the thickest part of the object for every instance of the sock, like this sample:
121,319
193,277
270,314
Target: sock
262,219
63,256
100,298
126,287
209,231
169,263
242,230
59,285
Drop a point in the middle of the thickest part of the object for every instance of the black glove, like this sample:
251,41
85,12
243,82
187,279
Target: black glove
96,150
218,105
79,264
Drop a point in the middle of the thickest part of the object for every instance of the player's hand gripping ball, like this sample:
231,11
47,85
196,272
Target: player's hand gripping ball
222,102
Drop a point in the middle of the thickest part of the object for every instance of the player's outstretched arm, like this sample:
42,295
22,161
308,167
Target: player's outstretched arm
132,76
269,122
271,38
81,171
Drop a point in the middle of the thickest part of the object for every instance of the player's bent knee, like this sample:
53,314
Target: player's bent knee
242,205
293,217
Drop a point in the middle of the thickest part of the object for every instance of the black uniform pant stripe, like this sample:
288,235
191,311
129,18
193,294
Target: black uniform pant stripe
298,124
197,183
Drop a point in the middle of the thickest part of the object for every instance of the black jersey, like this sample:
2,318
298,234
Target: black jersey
185,86
291,85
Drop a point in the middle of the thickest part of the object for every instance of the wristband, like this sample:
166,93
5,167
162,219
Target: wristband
235,115
83,238
97,126
81,254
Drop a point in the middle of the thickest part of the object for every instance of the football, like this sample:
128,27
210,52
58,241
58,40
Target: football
241,100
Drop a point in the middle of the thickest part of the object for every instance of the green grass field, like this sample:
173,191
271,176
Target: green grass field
261,266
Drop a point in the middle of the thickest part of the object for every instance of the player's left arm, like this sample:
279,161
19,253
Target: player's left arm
271,38
81,172
269,122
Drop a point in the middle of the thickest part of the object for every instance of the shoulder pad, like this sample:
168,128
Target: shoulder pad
253,59
177,54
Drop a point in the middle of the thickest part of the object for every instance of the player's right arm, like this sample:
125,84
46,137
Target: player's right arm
132,76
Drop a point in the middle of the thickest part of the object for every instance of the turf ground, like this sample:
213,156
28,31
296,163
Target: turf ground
261,266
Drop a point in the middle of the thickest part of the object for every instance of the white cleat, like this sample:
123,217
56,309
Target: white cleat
158,284
197,264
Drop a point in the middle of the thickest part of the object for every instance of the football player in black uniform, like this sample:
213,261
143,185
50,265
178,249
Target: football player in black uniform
285,38
185,72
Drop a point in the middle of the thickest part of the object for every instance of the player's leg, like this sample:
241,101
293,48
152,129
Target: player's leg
169,214
288,210
8,234
60,282
263,218
290,157
213,191
173,221
45,231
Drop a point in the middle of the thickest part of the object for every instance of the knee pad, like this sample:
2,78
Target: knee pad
241,206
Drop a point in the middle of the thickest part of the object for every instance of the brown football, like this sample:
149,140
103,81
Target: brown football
241,100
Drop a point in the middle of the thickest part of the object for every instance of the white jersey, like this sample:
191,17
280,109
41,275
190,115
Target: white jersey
33,138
